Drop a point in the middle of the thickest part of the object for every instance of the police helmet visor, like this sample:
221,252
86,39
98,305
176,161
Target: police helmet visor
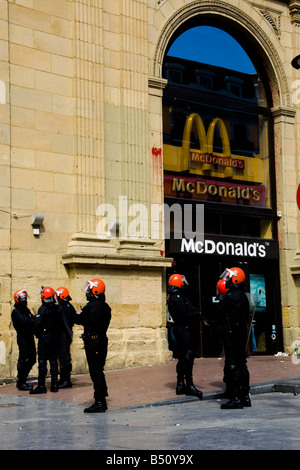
21,295
227,274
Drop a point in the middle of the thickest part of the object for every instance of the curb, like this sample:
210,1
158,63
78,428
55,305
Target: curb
255,389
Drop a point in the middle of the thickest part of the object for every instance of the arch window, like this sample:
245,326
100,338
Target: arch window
217,130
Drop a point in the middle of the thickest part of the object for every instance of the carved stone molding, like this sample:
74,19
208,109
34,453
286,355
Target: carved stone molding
294,6
92,250
283,113
156,85
274,20
217,7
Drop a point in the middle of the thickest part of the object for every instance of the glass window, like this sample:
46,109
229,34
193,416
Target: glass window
217,137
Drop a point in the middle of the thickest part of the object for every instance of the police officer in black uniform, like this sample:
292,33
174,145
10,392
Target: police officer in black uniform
233,314
185,317
95,318
47,327
67,312
23,322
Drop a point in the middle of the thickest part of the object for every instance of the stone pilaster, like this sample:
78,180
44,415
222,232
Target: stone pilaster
89,90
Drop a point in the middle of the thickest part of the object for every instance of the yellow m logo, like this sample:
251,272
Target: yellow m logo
206,140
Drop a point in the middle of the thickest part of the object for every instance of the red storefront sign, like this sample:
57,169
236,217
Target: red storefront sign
213,190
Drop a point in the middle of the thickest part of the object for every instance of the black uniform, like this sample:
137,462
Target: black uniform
186,318
234,316
23,322
67,313
95,318
47,327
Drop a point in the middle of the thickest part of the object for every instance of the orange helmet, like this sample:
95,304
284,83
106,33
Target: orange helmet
95,287
20,295
236,275
221,286
62,293
47,294
177,280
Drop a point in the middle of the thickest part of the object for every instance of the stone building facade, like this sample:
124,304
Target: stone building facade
81,155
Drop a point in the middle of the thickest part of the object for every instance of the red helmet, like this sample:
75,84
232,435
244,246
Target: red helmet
20,295
236,275
177,280
47,293
62,293
95,287
221,286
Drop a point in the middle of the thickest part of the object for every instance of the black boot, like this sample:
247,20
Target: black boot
97,407
246,402
193,391
64,384
233,404
65,377
190,389
41,388
54,384
24,386
180,387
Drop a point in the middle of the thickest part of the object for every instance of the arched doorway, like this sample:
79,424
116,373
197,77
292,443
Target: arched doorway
218,147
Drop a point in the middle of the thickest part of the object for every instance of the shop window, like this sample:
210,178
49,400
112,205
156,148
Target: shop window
216,146
234,225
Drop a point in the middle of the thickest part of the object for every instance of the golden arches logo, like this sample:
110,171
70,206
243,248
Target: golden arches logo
206,140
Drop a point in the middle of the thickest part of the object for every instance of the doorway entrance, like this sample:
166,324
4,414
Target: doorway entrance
262,287
218,148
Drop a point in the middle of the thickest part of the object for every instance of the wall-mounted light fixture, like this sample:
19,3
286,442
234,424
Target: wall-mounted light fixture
36,222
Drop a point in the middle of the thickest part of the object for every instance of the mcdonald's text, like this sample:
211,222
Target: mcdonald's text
224,248
199,157
214,190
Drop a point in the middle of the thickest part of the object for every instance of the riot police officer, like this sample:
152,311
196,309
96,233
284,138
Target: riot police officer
95,318
233,315
67,312
47,327
23,322
185,317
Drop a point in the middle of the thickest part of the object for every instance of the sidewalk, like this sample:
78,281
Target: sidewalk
146,385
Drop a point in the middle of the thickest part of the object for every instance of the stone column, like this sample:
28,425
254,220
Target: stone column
286,185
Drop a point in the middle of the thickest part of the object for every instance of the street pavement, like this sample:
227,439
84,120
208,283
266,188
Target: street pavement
166,426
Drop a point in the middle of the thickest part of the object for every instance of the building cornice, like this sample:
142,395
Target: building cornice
91,249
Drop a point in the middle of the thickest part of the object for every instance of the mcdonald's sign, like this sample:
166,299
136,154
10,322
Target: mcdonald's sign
206,141
213,190
204,161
